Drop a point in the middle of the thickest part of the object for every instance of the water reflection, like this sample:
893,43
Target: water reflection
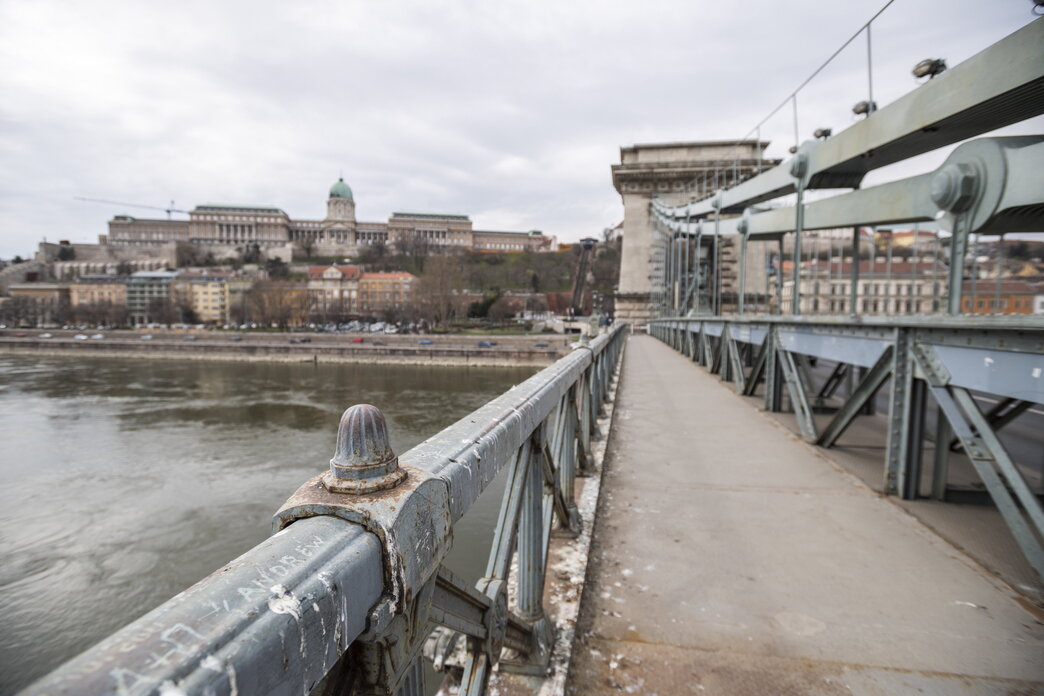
123,482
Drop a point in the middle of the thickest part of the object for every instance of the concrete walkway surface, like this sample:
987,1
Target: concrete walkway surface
730,558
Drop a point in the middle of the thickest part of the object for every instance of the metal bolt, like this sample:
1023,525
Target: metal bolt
953,187
363,461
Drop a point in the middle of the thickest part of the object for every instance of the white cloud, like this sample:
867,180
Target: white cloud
511,111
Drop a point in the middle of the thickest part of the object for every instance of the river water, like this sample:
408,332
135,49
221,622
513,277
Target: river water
122,482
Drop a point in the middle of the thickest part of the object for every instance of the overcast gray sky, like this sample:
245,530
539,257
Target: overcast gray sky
511,112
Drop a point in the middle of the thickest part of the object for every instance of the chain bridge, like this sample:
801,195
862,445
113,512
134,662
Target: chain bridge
728,491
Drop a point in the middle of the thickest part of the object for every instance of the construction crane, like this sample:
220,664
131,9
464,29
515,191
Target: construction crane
580,281
168,210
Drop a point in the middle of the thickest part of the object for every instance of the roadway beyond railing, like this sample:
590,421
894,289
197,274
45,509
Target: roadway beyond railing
953,359
342,598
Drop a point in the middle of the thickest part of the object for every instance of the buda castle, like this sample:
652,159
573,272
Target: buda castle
219,227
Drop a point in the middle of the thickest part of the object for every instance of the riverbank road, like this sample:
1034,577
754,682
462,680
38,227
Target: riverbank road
730,557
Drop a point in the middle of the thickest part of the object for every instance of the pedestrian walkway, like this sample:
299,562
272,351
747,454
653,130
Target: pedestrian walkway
729,557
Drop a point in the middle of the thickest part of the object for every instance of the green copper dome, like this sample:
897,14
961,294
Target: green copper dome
340,190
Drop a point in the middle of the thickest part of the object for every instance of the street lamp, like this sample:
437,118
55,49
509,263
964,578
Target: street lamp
929,67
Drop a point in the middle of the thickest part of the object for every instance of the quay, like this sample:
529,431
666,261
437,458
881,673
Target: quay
729,557
459,350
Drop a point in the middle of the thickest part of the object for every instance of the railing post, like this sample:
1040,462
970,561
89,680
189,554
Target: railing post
779,278
897,462
716,296
854,289
745,229
584,426
955,280
530,546
799,170
773,373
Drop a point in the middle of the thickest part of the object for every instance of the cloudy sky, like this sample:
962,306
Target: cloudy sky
511,112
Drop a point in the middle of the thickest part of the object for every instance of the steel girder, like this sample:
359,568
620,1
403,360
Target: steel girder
1002,84
987,455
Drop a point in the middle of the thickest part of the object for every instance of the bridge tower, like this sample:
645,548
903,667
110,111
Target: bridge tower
676,173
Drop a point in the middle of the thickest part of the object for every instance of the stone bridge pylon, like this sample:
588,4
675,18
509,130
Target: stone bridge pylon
675,173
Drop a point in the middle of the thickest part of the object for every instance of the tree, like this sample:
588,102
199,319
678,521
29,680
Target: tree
281,303
251,253
307,245
480,309
414,246
503,308
189,315
373,253
439,289
277,269
19,311
162,311
66,252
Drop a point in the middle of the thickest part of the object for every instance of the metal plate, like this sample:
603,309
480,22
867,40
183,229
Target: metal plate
849,349
1004,373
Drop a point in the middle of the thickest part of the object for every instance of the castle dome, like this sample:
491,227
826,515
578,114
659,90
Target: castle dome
341,190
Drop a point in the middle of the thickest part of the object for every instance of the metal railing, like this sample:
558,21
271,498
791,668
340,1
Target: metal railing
956,360
343,596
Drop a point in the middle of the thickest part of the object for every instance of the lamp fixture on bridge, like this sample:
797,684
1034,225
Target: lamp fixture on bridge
929,67
864,108
792,149
822,133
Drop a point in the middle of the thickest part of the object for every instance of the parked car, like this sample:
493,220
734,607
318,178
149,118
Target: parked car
80,337
357,339
97,337
485,344
541,345
147,337
46,335
424,342
377,342
236,339
190,338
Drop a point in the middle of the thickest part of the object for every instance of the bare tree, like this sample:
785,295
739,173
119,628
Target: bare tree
307,245
284,304
438,292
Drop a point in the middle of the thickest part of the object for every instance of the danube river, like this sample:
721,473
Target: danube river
122,482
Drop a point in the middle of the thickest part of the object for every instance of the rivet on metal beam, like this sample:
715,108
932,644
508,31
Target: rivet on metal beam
363,461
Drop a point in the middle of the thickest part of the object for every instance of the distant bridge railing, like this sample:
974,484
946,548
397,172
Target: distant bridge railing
956,360
343,596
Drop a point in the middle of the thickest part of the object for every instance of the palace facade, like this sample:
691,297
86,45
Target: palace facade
339,233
